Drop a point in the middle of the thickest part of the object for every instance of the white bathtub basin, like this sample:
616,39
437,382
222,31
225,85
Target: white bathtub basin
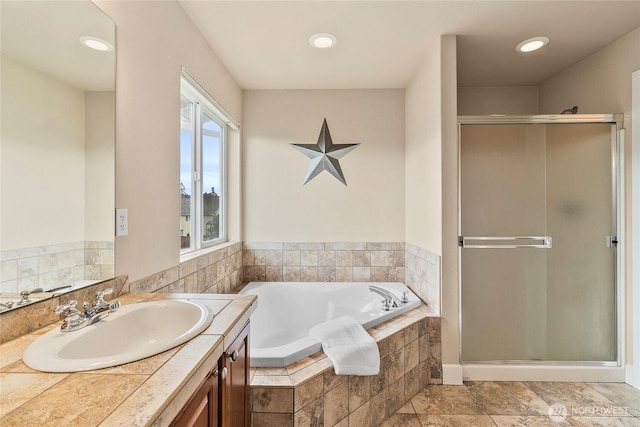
287,311
132,333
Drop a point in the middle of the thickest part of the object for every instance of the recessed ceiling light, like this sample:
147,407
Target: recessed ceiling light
532,44
323,40
96,43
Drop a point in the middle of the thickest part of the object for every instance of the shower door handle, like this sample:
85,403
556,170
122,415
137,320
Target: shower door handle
505,242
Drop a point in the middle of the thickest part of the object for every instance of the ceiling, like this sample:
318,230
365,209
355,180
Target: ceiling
381,44
44,35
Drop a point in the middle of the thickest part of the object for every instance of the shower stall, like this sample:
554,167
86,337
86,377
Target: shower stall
539,226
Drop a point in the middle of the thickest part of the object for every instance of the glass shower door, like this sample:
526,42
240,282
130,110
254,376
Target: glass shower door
536,225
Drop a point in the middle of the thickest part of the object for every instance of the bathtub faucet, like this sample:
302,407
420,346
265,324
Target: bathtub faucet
390,300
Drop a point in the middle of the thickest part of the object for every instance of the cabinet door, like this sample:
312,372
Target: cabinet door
235,391
202,409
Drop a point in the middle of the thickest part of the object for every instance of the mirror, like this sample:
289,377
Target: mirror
57,135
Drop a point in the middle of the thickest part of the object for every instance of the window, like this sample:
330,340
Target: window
202,169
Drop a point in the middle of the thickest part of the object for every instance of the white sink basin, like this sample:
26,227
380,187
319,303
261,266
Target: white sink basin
132,333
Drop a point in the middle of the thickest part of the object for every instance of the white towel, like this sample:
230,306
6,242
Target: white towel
348,345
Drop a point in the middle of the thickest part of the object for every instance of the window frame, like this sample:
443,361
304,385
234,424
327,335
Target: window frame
201,104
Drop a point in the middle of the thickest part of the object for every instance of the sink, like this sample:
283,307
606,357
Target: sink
133,332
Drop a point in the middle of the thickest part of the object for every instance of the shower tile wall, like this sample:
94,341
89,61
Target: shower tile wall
55,265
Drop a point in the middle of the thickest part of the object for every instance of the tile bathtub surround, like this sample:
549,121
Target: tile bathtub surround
323,262
55,265
217,270
308,393
29,318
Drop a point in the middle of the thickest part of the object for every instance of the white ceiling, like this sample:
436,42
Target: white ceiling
264,44
44,35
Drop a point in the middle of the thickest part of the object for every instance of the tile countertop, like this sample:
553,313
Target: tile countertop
149,392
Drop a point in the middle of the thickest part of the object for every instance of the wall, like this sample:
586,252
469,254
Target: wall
324,231
516,100
431,182
602,83
633,300
598,84
154,40
449,287
423,152
278,207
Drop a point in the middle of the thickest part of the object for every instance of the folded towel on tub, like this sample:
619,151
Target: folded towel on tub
348,345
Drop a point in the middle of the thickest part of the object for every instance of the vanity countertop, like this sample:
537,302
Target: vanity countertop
149,392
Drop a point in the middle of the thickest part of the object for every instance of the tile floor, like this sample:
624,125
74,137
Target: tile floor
527,404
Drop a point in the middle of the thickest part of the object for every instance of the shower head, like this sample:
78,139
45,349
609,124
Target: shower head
573,110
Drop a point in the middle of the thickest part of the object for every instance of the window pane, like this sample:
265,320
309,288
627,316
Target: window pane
186,166
211,178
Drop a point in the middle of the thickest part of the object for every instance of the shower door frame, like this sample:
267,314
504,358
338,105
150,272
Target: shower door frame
544,369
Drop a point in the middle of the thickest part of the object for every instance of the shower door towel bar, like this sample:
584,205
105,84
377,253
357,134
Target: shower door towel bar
504,242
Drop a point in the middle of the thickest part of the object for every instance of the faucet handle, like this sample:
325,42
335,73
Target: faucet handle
101,303
100,294
69,305
113,306
404,298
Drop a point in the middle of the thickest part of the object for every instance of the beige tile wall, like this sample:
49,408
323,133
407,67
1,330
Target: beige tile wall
422,274
217,271
323,262
227,268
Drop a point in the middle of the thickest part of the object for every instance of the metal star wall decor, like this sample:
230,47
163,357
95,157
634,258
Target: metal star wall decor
324,155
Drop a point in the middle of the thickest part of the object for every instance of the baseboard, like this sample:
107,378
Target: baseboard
632,376
452,374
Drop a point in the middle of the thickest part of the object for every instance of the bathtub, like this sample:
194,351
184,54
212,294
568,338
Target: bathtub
286,311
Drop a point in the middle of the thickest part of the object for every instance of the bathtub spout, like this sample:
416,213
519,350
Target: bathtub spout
390,300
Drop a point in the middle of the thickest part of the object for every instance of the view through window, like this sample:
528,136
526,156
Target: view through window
202,171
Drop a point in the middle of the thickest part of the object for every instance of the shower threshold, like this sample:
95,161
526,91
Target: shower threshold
544,371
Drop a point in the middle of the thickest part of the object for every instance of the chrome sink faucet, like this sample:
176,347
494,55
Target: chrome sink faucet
91,313
390,300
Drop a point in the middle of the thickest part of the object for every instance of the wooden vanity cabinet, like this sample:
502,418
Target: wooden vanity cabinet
223,398
203,408
234,387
